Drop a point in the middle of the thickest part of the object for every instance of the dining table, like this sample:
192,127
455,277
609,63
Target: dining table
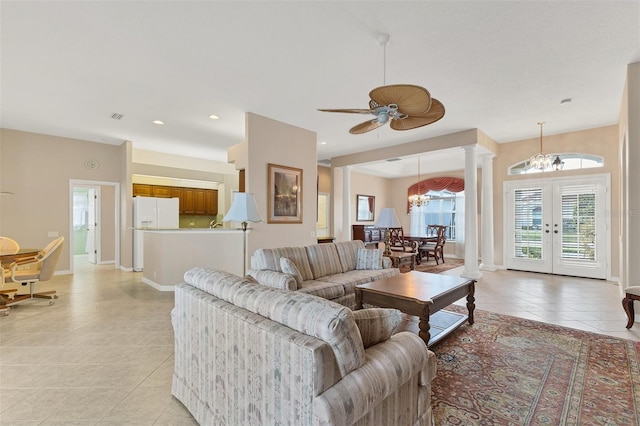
421,240
23,253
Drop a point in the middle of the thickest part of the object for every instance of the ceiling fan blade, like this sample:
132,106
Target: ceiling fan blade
352,110
365,127
414,121
411,100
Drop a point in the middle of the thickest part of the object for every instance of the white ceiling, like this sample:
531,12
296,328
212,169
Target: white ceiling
499,66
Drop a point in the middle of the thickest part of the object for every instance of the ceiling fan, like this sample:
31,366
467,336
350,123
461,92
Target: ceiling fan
405,106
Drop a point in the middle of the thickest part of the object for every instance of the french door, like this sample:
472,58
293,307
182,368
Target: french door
558,226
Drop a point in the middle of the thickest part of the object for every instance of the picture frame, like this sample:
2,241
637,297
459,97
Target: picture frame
284,194
365,208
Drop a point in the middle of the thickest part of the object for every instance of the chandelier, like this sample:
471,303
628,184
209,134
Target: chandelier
541,161
417,199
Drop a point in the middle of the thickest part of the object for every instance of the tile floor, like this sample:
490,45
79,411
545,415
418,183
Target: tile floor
103,353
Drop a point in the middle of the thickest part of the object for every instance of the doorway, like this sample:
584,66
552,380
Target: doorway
85,220
558,226
94,235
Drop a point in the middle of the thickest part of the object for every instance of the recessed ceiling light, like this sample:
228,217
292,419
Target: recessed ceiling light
323,143
566,101
158,122
214,117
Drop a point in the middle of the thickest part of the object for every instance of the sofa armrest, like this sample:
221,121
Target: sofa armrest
388,366
274,279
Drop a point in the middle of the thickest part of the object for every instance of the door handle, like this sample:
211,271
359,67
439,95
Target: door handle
555,232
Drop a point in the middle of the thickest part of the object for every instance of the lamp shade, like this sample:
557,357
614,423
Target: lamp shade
387,218
243,209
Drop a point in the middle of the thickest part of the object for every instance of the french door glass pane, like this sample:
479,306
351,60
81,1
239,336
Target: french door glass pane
528,223
578,226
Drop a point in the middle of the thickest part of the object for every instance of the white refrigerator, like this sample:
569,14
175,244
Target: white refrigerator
152,213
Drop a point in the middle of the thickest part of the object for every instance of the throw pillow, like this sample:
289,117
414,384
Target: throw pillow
376,324
288,267
369,259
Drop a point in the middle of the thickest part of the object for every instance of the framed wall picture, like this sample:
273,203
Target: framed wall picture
365,205
284,194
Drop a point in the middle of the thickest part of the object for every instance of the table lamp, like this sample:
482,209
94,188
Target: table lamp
243,209
387,219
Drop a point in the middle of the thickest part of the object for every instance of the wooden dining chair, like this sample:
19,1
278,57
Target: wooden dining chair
397,242
435,249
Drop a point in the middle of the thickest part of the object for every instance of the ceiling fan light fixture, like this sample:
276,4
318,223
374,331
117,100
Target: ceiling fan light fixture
404,106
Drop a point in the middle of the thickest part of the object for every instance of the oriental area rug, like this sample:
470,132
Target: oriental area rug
432,267
504,370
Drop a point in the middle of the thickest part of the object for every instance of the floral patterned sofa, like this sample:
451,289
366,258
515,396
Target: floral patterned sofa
248,354
328,270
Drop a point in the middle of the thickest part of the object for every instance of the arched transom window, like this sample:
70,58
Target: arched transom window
567,161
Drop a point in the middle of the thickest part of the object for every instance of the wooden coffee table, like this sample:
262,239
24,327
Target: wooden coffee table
422,294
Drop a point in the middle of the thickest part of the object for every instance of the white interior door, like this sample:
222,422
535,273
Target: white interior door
557,226
92,223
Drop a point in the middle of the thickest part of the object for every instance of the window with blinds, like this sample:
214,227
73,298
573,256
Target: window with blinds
579,224
528,223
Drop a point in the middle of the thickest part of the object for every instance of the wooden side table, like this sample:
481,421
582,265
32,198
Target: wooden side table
401,257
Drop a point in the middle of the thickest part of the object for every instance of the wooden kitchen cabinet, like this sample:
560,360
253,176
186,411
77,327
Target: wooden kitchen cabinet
162,191
188,201
199,198
142,190
192,200
177,192
211,201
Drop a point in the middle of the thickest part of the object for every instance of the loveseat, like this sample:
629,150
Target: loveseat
248,354
330,270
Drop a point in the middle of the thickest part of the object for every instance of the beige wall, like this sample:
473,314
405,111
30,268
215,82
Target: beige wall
601,141
324,179
37,169
107,224
369,185
271,141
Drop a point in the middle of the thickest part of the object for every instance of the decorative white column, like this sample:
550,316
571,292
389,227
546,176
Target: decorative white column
470,214
346,204
487,214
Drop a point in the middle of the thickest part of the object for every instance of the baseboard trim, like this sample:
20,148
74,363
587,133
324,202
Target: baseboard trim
157,286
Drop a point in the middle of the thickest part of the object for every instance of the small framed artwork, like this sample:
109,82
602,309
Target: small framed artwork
284,194
366,205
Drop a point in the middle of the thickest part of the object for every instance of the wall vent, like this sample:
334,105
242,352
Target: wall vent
117,116
325,161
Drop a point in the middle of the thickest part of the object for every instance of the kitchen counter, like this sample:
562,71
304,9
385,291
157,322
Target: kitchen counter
169,253
184,229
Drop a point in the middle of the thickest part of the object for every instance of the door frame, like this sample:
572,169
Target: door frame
507,185
94,183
